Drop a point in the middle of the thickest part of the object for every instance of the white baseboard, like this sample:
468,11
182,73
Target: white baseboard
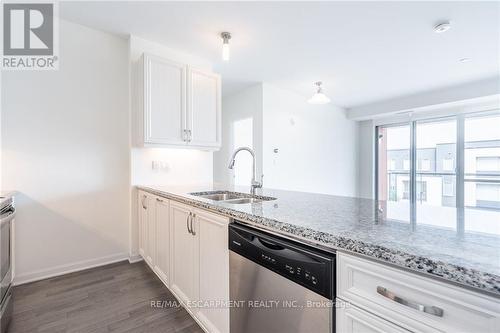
135,258
68,268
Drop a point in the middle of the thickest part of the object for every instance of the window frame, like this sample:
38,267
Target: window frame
459,163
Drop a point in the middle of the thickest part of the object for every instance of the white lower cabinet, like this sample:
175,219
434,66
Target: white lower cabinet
352,319
147,217
162,262
191,257
213,266
142,219
200,264
408,300
184,252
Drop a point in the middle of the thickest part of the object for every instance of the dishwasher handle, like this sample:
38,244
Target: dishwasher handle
310,267
252,242
269,245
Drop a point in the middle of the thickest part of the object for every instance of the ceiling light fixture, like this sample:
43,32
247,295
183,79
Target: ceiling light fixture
319,97
442,27
226,36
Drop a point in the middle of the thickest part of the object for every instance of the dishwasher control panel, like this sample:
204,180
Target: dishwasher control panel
309,267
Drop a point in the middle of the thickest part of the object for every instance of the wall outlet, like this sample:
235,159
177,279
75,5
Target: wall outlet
159,166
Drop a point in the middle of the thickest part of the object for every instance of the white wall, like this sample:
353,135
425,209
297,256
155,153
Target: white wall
484,93
65,149
242,105
317,145
185,166
1,107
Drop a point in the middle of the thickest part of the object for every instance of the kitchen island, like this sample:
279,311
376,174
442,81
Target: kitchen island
390,276
359,226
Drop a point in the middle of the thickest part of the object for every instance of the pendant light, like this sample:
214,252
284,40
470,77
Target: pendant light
226,36
319,97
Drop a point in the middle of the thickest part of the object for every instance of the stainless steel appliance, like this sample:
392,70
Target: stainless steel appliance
277,285
7,213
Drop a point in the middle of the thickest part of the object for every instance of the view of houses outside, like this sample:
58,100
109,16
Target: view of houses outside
436,173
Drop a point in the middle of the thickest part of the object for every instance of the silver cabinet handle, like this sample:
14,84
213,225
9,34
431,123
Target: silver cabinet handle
433,310
159,200
192,229
143,199
187,222
189,135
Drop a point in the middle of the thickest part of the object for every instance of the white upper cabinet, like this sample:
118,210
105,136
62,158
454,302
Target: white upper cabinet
182,105
204,108
164,101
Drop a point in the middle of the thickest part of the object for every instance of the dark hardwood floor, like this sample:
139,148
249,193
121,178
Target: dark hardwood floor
112,298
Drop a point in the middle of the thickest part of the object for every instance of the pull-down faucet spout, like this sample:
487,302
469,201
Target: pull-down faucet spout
254,183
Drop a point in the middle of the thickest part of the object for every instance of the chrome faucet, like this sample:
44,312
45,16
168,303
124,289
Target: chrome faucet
254,184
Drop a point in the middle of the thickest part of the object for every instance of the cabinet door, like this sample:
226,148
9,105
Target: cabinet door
164,101
150,231
182,258
351,319
211,231
204,109
162,262
142,219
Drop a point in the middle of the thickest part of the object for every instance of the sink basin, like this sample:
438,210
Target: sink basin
243,201
219,196
236,198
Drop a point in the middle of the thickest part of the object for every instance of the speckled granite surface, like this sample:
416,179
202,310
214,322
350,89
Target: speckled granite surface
358,226
6,198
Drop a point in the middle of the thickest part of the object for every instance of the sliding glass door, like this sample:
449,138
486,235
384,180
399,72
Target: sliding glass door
442,172
435,172
482,174
394,170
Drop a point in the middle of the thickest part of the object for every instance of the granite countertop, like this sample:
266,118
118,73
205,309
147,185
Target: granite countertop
6,198
356,225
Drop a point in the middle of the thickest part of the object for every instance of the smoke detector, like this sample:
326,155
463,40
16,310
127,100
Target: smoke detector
442,27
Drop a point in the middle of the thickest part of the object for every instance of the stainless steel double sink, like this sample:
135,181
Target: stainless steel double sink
232,197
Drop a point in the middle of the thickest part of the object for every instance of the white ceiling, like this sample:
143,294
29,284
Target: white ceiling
362,51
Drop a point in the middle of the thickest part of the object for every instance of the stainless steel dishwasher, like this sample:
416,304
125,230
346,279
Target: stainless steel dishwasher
277,285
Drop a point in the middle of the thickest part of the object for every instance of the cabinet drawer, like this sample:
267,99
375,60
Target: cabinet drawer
352,319
394,294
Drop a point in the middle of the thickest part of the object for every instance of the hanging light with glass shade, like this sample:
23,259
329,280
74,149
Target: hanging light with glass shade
319,97
226,36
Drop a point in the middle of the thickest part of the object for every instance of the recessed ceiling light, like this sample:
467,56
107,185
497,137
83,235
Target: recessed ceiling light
464,60
442,27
